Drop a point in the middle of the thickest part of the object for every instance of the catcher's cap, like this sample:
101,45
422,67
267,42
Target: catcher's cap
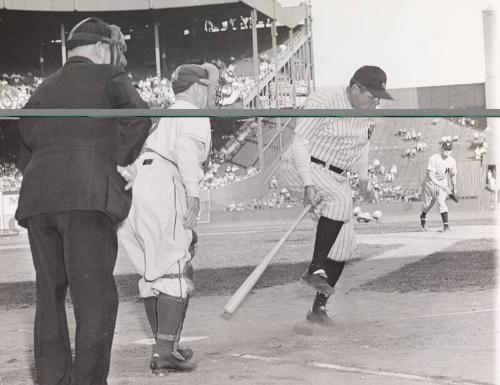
372,78
89,31
188,74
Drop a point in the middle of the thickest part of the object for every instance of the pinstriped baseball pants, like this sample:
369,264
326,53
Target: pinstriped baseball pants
336,193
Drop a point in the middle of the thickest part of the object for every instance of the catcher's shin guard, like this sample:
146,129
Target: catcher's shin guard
150,305
186,352
167,354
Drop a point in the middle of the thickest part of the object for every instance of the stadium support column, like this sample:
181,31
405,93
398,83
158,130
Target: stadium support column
255,46
492,82
157,49
63,43
274,36
492,92
310,42
292,68
255,49
308,52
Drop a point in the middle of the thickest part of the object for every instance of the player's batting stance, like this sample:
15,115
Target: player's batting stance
158,234
441,168
322,151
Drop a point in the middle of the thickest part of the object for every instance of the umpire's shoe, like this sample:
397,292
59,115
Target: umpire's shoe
317,280
319,317
161,365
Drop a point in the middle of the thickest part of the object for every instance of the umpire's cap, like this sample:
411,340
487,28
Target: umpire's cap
372,78
89,31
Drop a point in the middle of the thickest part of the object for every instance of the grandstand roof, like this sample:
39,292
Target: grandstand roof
289,16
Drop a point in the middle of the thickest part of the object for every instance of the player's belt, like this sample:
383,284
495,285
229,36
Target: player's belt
331,167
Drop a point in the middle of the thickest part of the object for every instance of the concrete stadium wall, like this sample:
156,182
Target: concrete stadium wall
459,95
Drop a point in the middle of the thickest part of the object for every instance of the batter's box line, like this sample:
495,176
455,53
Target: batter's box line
382,373
255,357
386,373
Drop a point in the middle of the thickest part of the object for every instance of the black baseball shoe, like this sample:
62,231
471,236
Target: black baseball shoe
446,228
317,280
319,317
163,365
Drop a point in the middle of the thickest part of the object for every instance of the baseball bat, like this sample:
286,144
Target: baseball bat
254,276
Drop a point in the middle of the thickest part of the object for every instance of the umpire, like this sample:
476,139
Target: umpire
72,198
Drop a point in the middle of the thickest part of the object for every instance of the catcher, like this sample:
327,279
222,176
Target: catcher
441,171
158,231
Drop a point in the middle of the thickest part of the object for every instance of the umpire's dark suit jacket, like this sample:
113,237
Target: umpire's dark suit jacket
70,163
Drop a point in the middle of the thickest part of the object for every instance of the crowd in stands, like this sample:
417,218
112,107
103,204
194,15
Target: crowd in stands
217,176
479,145
383,181
415,137
234,142
274,198
157,92
23,86
10,177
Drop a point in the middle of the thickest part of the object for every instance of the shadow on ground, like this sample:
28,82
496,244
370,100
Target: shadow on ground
465,265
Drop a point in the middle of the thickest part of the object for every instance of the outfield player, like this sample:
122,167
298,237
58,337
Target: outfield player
324,149
158,231
442,168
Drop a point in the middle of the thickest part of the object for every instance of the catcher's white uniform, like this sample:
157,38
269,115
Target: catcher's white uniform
170,169
443,169
336,142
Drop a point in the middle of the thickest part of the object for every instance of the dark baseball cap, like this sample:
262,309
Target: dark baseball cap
188,74
372,78
89,31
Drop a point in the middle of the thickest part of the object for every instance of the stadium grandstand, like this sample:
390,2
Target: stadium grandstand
265,53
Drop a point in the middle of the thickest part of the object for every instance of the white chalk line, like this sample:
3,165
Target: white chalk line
386,373
438,315
271,230
357,370
255,357
14,247
151,341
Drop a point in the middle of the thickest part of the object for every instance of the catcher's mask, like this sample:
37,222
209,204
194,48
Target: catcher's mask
215,95
104,32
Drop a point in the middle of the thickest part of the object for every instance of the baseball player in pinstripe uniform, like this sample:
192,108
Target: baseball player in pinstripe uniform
323,150
158,235
441,169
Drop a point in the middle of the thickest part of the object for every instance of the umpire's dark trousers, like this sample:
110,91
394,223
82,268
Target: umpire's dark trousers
75,249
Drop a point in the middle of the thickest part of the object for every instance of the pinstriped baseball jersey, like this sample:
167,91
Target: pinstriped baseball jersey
339,142
336,141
